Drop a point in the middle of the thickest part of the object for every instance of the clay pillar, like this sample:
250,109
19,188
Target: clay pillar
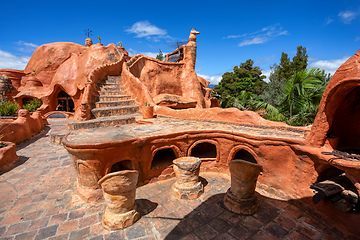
240,197
119,189
187,185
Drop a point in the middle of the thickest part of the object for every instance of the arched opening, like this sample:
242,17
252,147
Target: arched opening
204,150
345,123
242,154
57,115
122,165
31,103
163,158
65,103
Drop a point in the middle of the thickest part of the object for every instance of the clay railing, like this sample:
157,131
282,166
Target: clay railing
24,127
95,76
133,85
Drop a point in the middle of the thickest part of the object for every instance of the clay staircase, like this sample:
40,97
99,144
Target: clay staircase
112,107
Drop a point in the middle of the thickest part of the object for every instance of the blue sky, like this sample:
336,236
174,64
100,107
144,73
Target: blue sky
230,31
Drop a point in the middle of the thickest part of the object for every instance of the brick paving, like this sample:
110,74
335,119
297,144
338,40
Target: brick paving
38,200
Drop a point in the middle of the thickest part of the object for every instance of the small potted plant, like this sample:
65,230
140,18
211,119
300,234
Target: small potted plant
147,111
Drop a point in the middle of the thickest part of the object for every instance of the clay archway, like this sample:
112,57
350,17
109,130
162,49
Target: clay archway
164,156
58,114
205,149
243,153
120,166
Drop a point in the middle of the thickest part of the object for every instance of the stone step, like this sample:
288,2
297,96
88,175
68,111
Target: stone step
101,104
103,122
112,98
111,111
110,88
114,78
111,93
111,81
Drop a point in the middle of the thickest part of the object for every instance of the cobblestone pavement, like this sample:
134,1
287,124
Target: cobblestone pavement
38,200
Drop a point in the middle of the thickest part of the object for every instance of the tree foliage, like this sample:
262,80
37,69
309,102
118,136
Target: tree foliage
300,60
243,79
292,94
160,56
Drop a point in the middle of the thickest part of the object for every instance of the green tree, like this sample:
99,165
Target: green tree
99,38
160,56
303,90
300,60
245,77
285,70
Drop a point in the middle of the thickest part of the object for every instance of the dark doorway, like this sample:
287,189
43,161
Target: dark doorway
163,158
65,103
244,155
204,150
122,165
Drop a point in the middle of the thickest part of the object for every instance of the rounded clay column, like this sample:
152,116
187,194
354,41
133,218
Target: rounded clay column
119,189
187,185
240,197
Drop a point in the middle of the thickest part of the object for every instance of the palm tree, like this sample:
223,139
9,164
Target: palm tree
303,89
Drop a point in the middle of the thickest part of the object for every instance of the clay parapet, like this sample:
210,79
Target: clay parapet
24,127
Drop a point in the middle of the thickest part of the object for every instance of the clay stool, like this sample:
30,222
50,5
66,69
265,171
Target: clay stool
240,197
119,189
187,185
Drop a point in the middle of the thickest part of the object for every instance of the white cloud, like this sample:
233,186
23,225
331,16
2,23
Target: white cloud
347,16
147,30
133,52
267,73
212,79
261,36
26,47
330,66
328,21
254,40
8,60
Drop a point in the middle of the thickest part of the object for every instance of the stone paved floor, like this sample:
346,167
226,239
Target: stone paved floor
38,200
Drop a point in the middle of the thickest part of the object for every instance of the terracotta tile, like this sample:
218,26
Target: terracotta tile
77,213
240,232
205,232
58,218
296,235
12,219
276,230
68,226
17,228
261,235
39,223
26,235
46,232
88,221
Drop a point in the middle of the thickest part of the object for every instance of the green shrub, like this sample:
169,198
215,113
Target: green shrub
8,108
32,105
